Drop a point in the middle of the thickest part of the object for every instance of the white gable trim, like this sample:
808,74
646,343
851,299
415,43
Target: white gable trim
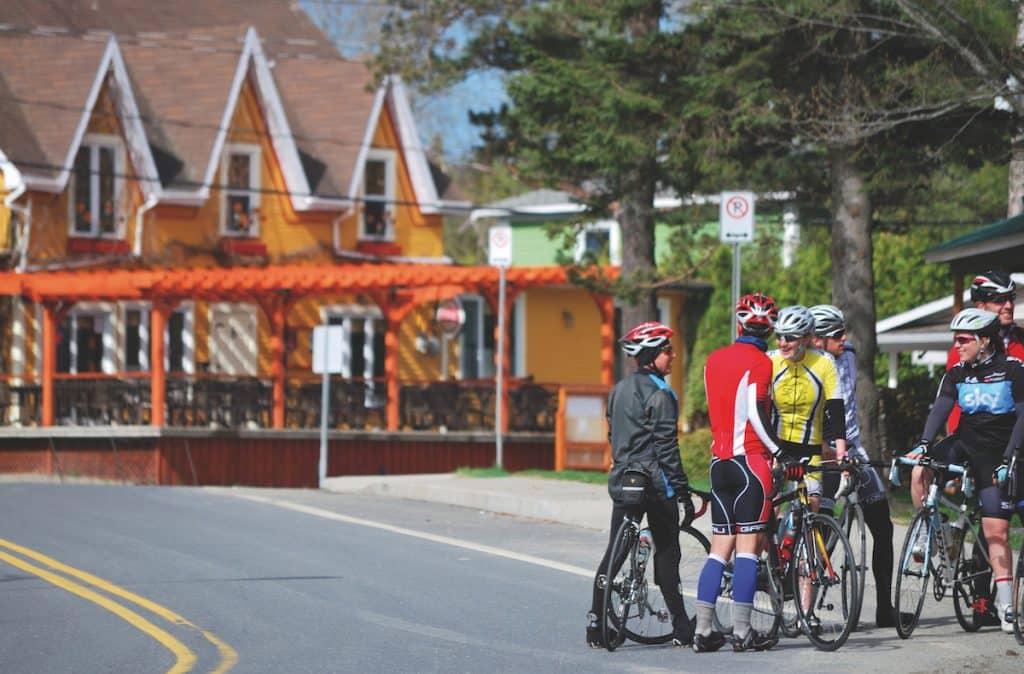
128,112
392,92
412,148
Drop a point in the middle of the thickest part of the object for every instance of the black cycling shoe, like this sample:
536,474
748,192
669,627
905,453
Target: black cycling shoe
709,643
682,634
594,637
754,641
885,617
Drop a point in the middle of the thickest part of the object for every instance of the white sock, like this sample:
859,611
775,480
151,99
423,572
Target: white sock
1004,592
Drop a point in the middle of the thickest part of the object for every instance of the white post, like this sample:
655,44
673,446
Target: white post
324,388
894,369
735,280
499,380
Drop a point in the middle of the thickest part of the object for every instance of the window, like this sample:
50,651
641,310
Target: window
96,188
240,178
362,348
136,341
377,221
135,338
598,243
85,342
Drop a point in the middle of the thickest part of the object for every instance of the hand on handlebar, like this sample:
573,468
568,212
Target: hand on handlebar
688,510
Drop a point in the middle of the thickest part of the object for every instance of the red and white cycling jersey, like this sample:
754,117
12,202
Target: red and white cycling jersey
737,379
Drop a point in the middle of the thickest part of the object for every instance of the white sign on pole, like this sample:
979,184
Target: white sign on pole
327,359
736,215
499,249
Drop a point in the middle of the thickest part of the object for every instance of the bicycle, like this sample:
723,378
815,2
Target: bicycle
633,604
813,557
928,553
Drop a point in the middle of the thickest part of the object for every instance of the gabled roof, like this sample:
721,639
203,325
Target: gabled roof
187,62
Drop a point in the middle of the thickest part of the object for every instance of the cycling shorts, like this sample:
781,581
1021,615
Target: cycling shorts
994,500
739,494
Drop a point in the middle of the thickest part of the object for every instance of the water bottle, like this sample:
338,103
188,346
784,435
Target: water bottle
644,546
788,536
956,535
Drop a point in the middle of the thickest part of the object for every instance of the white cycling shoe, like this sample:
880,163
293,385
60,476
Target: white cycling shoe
1005,613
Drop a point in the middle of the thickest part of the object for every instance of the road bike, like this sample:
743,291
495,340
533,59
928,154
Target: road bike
953,555
634,607
807,575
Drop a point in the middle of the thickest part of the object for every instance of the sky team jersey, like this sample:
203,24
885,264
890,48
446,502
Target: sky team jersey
737,379
987,395
1014,343
799,393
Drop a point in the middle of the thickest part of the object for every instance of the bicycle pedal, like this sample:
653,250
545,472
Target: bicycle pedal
663,615
602,582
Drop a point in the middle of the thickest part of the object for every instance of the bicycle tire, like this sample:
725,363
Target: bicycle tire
964,591
1018,598
651,623
912,578
613,606
827,579
852,524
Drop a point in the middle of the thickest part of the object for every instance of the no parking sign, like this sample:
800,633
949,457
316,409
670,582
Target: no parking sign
736,215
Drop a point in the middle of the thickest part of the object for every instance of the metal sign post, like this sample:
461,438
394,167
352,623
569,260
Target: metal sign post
327,361
499,254
736,216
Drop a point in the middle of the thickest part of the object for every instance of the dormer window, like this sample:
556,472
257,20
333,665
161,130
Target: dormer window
240,177
378,221
599,243
96,188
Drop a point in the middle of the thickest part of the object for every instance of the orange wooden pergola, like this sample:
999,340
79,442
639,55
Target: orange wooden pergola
395,288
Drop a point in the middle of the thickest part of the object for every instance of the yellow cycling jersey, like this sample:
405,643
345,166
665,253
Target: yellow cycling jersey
799,392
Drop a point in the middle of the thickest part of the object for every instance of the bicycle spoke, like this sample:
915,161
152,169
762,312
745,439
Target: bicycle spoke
912,578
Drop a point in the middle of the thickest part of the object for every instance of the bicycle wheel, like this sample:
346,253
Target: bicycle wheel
648,620
912,577
620,585
852,524
964,592
824,583
1018,598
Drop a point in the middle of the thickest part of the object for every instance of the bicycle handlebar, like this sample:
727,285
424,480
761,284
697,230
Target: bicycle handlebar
705,500
924,461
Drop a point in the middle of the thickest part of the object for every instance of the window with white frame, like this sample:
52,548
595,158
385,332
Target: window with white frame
362,347
135,337
477,340
599,243
377,222
96,183
240,192
86,341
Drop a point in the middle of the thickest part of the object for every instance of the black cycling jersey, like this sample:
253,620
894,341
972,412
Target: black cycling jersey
991,396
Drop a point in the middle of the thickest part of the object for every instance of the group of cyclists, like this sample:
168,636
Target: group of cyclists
793,406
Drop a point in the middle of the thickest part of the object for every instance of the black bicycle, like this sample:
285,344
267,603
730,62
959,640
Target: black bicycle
634,607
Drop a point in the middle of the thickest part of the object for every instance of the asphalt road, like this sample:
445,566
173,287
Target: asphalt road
99,578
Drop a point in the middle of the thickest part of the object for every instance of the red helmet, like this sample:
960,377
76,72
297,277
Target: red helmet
756,314
650,335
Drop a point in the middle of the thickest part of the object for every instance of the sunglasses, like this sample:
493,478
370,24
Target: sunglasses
838,335
789,339
1002,299
964,340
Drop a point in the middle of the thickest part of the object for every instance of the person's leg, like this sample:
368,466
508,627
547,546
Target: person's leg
752,512
723,539
663,518
878,519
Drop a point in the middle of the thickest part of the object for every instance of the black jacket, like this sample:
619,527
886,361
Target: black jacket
643,415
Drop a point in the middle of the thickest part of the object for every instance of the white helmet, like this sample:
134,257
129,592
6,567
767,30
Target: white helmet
984,323
828,320
794,321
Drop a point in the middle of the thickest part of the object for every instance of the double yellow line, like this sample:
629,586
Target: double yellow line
185,659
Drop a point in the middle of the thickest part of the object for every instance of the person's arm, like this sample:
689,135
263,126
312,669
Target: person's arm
1017,434
943,405
759,403
952,358
834,429
664,414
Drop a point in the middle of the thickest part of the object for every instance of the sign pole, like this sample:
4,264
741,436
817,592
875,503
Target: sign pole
499,381
735,274
324,395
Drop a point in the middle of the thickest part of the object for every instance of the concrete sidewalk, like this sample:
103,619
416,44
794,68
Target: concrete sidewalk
564,501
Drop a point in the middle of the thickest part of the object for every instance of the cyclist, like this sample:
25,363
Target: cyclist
807,399
992,291
737,380
830,337
989,387
643,415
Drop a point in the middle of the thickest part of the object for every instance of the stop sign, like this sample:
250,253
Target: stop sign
450,316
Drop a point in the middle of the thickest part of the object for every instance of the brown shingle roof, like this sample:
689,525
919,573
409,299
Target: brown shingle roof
181,57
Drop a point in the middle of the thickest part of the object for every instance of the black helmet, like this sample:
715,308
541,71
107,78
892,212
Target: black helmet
990,285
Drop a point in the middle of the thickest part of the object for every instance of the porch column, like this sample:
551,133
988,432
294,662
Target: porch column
394,312
51,316
276,309
606,307
158,379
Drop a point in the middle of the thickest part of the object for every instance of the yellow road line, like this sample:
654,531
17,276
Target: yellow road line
228,656
185,658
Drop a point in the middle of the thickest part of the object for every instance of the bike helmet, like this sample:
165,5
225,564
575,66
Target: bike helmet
986,287
756,314
795,320
650,335
983,323
828,320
